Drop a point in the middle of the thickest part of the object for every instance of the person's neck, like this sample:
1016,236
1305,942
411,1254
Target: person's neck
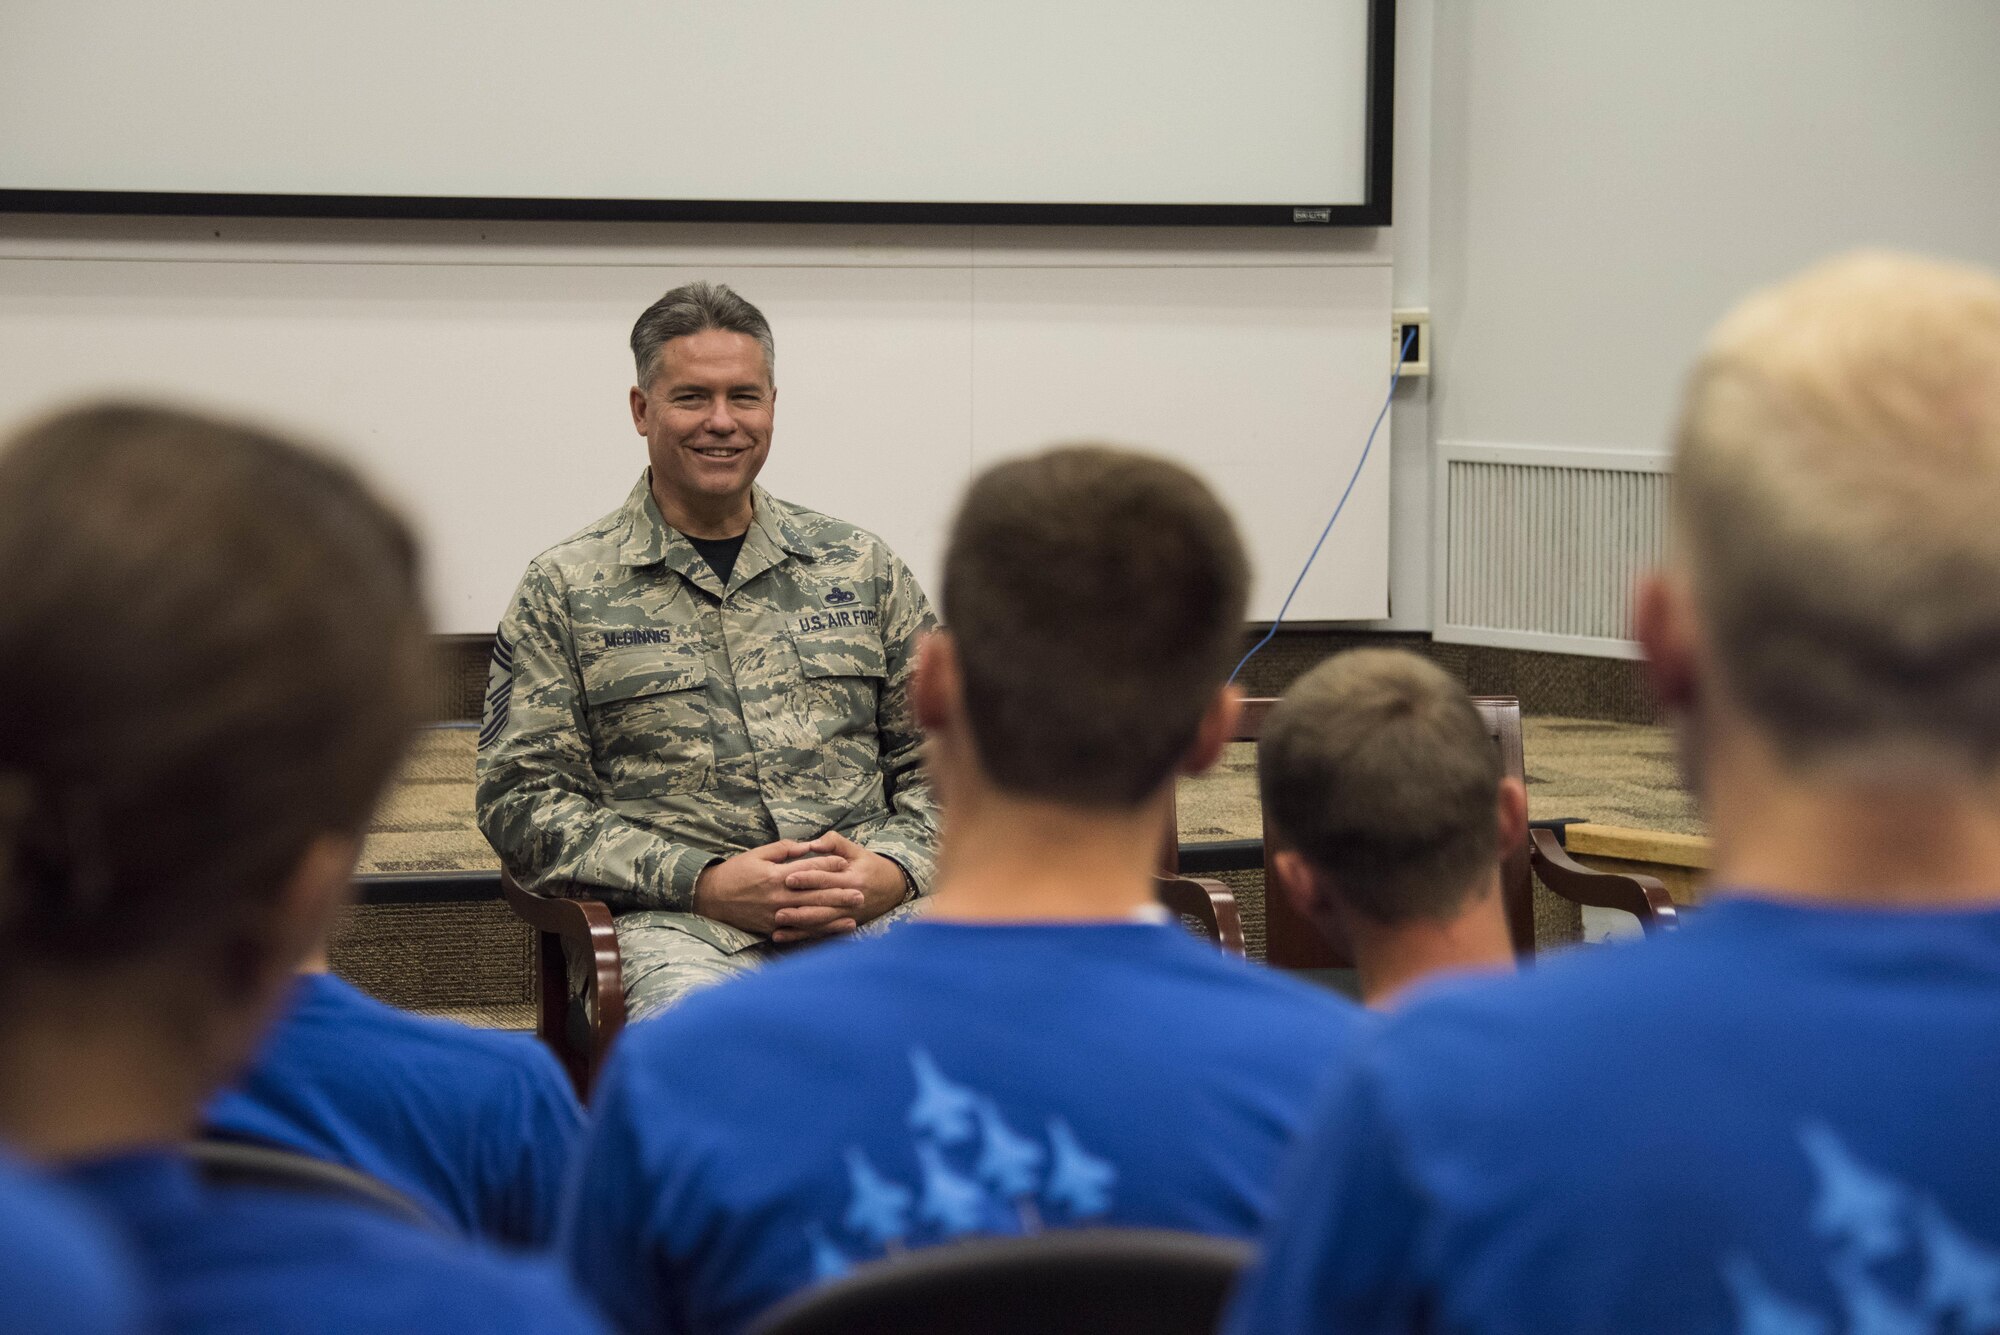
95,1080
1006,859
1390,957
706,517
1848,839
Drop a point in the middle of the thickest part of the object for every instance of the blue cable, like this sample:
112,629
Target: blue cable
1394,376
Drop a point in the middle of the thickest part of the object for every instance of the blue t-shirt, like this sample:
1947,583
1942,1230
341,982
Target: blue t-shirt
1780,1120
477,1125
939,1081
223,1260
60,1269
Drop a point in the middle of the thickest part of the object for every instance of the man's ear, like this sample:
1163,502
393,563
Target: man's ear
1663,622
319,888
935,689
253,972
1218,726
1512,810
1300,885
639,410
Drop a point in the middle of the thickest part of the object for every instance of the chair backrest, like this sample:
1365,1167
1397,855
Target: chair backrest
1104,1281
1208,908
229,1160
1502,716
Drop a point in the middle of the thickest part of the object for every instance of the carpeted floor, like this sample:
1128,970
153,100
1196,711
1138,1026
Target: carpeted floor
426,822
1610,773
474,960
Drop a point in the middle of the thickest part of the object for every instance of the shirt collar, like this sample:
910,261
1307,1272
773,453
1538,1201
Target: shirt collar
649,540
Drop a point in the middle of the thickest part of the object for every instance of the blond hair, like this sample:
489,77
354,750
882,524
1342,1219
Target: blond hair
1837,498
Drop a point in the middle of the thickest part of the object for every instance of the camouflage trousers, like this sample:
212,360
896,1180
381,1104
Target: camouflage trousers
666,956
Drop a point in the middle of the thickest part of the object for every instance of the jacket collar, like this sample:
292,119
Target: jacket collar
648,540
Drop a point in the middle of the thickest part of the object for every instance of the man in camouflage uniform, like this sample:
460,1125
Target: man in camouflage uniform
698,708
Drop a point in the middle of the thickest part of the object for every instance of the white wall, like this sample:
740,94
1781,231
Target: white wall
479,370
1409,239
1607,178
1580,190
477,367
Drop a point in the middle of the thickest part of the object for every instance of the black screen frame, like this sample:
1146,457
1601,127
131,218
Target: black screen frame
1372,211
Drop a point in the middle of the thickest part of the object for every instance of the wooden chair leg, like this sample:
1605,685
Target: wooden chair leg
579,984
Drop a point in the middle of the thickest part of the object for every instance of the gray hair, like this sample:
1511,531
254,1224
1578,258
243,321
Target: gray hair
690,309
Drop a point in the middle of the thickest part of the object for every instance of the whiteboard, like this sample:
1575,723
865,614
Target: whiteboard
1202,103
485,387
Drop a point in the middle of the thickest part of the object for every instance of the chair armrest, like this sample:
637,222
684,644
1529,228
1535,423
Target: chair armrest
1644,897
1210,903
582,1006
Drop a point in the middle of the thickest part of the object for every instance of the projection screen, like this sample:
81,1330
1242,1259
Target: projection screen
968,111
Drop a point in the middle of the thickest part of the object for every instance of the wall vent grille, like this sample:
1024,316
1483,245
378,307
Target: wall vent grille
1538,548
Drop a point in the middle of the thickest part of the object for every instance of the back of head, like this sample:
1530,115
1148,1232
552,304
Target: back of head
211,647
1096,597
1837,483
1377,769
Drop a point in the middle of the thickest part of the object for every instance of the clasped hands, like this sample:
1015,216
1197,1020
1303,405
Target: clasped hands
796,890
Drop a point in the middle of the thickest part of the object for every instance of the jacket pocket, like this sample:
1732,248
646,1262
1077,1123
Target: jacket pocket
840,688
650,721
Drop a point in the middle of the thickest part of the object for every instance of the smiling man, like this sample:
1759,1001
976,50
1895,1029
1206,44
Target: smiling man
698,709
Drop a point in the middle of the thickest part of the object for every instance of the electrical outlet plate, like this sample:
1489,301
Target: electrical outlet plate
1418,361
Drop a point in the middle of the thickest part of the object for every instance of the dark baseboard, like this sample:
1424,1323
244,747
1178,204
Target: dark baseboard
1611,689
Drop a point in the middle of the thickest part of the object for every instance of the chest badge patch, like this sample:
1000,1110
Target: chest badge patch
837,613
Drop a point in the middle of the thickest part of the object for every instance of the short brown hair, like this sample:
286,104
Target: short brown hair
1377,769
1096,597
210,645
1837,482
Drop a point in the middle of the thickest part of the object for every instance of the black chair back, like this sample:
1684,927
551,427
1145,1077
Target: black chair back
227,1160
1099,1281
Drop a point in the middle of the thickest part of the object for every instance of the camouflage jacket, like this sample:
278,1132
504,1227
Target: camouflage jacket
643,721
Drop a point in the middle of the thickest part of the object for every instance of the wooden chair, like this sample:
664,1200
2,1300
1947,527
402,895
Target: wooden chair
579,986
1644,897
1294,941
1094,1281
1502,716
1210,905
580,990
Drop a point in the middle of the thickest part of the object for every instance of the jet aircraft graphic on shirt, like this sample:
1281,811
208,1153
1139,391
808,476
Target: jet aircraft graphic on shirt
973,1172
1878,1232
